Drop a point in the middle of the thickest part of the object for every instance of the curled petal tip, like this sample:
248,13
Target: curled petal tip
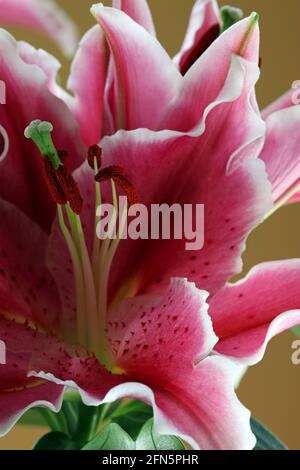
254,17
95,7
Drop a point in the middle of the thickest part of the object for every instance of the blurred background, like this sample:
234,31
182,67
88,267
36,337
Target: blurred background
271,390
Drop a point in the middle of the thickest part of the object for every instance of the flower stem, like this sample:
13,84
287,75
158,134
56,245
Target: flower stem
87,423
55,421
70,412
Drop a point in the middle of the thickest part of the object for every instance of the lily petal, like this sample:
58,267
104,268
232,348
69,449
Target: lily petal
27,289
192,169
26,86
14,404
87,82
156,349
246,315
205,79
143,96
47,63
203,29
281,153
156,330
159,346
208,414
45,17
284,101
18,393
139,11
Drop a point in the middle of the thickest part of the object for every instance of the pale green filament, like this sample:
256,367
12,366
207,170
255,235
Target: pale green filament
91,276
87,308
103,255
81,321
96,244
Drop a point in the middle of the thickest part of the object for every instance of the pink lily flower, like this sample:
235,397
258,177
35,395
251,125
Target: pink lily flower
95,316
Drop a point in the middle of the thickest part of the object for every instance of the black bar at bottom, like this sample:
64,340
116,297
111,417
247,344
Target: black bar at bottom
141,458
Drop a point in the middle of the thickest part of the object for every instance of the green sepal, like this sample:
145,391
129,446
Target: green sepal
112,437
149,439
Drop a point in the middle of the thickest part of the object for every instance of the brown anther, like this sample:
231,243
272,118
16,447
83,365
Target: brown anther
52,182
95,153
70,188
109,172
116,174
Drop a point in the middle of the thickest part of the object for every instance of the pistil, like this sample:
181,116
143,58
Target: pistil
91,271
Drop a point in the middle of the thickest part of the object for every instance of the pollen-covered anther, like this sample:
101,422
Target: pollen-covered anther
54,186
95,155
116,174
70,188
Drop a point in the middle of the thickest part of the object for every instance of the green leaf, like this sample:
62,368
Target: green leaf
112,437
265,439
132,417
55,441
296,331
148,439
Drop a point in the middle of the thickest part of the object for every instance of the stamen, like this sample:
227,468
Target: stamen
81,320
102,274
116,174
53,184
96,243
95,152
70,188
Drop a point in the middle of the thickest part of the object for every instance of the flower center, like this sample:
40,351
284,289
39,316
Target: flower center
91,272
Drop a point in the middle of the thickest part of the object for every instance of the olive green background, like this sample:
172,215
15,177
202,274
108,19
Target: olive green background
272,389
